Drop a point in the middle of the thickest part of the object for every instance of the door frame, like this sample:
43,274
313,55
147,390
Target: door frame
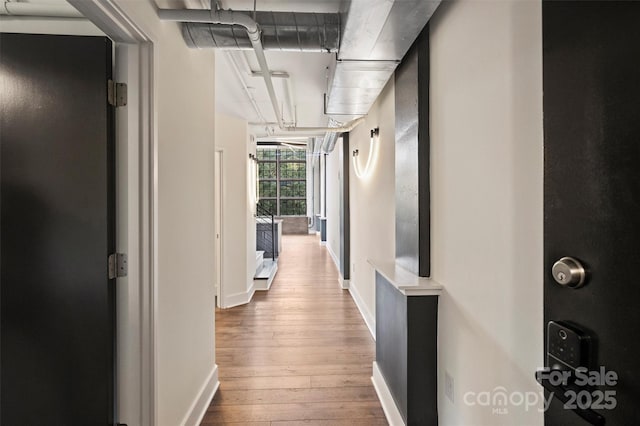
140,178
218,188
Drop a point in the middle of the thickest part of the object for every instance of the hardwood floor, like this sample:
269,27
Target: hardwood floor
298,354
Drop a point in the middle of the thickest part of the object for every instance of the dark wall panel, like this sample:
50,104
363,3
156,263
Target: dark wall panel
345,209
412,159
422,381
392,340
406,351
406,92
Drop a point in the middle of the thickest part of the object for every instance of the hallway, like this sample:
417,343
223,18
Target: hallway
299,353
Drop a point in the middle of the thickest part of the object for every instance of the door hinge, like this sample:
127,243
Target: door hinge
117,265
117,93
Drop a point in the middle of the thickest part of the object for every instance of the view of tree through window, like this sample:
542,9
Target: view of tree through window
282,186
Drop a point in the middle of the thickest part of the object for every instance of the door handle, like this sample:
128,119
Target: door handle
558,392
569,272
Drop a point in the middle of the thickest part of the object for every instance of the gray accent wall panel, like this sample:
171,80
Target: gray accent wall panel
406,351
407,205
391,340
412,159
323,229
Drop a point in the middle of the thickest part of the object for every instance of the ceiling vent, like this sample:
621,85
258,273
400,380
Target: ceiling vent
376,36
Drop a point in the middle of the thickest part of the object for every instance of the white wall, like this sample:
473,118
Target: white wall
186,291
373,202
486,169
333,202
185,296
238,223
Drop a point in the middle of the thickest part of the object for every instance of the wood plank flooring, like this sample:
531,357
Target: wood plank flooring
298,354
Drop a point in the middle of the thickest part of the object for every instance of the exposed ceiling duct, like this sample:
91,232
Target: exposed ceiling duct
329,142
330,139
287,31
254,33
376,36
371,39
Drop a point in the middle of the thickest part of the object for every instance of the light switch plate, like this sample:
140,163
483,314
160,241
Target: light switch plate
448,386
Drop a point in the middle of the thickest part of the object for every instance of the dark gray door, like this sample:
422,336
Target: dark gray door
592,203
57,230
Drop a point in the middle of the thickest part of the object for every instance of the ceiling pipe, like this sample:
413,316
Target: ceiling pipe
228,17
247,92
288,89
312,131
283,31
14,8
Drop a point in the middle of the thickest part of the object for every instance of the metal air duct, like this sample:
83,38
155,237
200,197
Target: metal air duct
330,138
376,36
286,31
329,142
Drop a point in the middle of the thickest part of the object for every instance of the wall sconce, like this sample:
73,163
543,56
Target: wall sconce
254,191
371,160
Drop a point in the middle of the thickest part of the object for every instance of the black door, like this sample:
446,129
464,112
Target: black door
592,207
57,230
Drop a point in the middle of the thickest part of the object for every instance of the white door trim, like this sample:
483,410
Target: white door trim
219,225
141,140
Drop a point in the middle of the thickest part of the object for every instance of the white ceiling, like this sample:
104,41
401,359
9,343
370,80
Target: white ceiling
307,81
307,73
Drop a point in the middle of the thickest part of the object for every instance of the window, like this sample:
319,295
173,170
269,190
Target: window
282,181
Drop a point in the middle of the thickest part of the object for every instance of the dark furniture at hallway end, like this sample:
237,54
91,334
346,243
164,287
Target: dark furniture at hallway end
405,371
269,237
323,230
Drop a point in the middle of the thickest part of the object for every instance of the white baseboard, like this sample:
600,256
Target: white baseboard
386,400
344,284
333,256
240,298
366,315
199,406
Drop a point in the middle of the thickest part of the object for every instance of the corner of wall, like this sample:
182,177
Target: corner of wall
373,204
367,315
200,404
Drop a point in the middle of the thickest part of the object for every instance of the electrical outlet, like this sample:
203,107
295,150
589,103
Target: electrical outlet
448,386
